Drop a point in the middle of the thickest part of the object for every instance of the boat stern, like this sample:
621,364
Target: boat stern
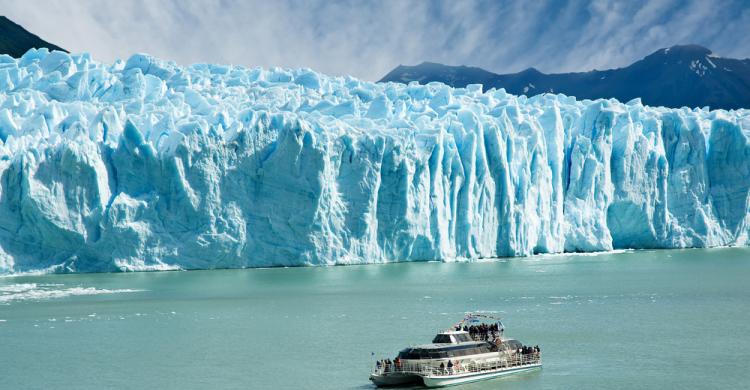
394,379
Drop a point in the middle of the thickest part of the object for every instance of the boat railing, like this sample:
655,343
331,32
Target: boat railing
515,360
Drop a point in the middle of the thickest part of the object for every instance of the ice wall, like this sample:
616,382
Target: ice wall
147,165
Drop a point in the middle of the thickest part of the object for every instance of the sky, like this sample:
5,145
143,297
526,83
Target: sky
367,39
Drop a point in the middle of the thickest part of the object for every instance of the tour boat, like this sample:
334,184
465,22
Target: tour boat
471,351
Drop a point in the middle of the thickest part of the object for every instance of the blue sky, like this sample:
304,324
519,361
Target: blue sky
367,39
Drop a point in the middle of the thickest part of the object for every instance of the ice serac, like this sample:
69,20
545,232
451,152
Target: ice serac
146,165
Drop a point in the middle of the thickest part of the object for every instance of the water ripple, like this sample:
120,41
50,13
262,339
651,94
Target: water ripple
35,292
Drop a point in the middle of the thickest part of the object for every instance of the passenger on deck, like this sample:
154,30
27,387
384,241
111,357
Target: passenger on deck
450,367
442,367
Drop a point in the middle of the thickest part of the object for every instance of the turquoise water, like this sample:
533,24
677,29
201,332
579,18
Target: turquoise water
654,319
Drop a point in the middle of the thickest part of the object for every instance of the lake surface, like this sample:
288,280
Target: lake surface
645,319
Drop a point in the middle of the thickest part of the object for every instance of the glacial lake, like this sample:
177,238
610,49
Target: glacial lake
673,319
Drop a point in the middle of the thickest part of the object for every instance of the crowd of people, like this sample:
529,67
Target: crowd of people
482,331
529,350
388,365
450,366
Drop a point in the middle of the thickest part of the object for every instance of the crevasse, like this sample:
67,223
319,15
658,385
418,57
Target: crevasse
145,165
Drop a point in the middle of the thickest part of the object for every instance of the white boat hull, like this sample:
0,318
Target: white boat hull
466,377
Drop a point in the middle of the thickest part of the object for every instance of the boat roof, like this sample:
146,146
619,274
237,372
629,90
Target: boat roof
465,343
448,346
472,318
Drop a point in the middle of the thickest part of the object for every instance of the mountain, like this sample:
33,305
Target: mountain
15,40
150,165
678,76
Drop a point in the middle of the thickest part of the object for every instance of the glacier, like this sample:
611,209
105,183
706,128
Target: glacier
147,165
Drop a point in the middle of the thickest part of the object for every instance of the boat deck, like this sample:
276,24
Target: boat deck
436,377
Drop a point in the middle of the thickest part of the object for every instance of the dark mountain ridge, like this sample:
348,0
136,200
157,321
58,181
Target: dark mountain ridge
16,40
686,75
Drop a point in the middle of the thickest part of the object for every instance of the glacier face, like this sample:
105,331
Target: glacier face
146,165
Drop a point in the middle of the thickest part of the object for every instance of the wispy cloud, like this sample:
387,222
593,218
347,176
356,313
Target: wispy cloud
367,39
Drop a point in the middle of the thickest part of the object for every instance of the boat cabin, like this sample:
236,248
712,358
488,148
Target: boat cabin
452,337
447,345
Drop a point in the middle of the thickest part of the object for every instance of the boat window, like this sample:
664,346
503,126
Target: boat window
442,352
442,339
405,354
419,353
463,350
438,354
462,337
